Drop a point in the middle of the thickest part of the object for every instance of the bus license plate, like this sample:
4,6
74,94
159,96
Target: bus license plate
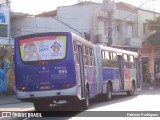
45,87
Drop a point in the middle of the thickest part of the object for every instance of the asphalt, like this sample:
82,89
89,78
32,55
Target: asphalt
8,99
11,99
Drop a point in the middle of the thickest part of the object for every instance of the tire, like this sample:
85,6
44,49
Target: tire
109,92
41,106
85,102
108,95
131,92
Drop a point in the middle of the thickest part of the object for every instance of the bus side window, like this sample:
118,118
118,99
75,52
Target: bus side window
93,59
90,56
76,53
102,56
132,62
105,58
85,59
126,61
114,62
75,46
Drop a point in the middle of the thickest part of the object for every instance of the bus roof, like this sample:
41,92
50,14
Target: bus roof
81,39
118,51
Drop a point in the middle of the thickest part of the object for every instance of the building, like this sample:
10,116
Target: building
23,24
5,22
127,27
92,22
149,54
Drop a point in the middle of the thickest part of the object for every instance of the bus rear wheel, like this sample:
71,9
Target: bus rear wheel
108,95
85,102
41,106
131,92
109,92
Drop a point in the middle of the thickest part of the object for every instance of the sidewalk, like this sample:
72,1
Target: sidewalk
147,86
8,99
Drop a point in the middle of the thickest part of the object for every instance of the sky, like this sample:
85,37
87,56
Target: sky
39,6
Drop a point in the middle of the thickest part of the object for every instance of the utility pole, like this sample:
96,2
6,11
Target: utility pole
110,8
110,29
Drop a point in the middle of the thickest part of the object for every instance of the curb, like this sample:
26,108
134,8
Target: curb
6,103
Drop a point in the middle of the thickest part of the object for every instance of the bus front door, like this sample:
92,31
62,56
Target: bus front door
82,75
121,71
137,72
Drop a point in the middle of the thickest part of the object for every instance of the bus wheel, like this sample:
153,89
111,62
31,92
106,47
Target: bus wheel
109,92
85,102
41,106
131,92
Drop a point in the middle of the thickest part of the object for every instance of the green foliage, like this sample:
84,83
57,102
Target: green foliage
155,37
2,56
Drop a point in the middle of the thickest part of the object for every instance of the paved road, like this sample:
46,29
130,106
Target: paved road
146,100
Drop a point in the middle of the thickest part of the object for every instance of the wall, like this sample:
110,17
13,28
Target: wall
76,16
148,51
31,25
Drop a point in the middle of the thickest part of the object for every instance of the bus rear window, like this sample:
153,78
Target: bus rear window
43,48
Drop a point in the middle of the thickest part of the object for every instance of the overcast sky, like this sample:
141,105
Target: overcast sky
38,6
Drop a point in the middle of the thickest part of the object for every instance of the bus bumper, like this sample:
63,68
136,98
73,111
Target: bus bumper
56,94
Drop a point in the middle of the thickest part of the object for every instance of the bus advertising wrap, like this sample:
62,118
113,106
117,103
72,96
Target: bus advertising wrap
43,48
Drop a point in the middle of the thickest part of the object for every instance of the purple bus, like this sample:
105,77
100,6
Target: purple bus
60,67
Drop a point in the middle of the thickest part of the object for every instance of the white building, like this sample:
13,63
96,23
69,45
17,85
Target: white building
86,19
23,24
4,22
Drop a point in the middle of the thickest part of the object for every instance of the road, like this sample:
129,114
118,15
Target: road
146,100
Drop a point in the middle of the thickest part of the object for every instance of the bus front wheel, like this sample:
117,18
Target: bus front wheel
109,92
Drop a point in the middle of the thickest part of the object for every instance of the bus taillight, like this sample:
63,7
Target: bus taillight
67,86
23,88
43,63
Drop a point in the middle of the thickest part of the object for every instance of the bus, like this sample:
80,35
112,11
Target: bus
116,70
56,68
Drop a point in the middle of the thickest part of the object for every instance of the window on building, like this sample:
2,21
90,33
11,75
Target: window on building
3,30
101,27
129,31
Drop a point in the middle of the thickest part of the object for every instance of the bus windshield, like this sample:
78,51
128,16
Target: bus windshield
43,48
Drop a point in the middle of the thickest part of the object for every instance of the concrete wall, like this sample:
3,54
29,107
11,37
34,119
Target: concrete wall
126,20
31,25
77,17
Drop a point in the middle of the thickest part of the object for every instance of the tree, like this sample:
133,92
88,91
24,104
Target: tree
154,25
